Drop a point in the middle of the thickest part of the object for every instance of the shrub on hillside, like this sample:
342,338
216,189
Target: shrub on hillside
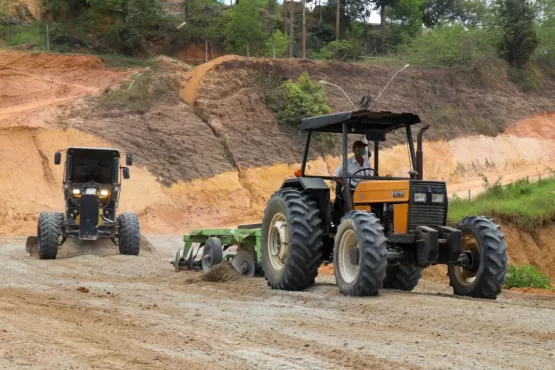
295,100
526,277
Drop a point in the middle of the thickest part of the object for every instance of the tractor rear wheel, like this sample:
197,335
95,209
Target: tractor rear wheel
402,277
486,252
291,240
360,254
48,231
129,234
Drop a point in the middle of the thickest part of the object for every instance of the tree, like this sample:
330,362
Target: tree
350,10
468,12
244,29
406,20
545,28
519,38
382,6
277,42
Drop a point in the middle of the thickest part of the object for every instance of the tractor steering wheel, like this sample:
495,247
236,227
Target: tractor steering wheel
362,169
366,169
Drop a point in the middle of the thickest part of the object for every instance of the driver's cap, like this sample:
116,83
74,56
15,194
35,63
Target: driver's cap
359,143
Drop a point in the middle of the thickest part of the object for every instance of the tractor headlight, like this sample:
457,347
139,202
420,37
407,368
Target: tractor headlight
104,193
75,191
438,198
420,197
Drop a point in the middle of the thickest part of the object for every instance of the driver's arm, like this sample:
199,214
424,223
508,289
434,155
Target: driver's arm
338,173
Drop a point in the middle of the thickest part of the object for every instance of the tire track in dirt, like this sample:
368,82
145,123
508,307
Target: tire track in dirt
138,312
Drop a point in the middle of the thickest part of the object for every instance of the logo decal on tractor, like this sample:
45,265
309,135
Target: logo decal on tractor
398,193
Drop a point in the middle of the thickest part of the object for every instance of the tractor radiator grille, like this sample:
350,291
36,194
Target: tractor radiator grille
427,214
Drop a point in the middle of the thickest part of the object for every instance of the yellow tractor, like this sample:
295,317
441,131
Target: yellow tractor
380,231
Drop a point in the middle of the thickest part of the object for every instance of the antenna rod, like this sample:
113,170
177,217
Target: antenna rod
385,87
339,87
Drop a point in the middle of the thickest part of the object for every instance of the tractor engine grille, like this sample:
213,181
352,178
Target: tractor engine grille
428,213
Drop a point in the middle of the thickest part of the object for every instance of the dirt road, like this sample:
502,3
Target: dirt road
113,312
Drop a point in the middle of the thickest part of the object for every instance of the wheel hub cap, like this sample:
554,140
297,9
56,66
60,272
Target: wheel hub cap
278,241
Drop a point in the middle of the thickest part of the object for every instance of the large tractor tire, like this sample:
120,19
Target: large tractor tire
360,254
402,277
129,234
291,240
485,278
48,231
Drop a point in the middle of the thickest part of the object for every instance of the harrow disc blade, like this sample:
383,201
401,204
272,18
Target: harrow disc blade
176,260
244,263
31,245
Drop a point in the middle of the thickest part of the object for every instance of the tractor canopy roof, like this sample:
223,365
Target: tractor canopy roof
359,122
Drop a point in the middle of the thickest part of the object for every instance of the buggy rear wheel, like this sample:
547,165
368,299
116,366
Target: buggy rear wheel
129,234
48,233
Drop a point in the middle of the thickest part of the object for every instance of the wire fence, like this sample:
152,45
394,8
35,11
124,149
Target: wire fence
469,194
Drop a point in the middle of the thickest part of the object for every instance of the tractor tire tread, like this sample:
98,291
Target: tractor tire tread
494,260
305,232
373,254
402,277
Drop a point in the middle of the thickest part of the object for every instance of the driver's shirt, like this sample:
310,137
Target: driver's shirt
353,167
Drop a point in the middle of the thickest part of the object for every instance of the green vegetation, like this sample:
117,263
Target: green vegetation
527,205
429,33
526,277
293,101
421,32
141,92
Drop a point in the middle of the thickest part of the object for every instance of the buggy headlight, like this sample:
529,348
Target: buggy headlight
438,198
420,197
75,191
104,193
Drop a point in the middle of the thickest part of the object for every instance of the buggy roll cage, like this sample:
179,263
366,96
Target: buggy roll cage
374,125
116,180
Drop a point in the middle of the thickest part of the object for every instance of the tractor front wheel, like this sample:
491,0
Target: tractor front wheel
402,277
48,232
129,234
291,240
485,254
360,254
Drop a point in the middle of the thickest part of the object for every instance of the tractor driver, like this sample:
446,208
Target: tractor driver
354,164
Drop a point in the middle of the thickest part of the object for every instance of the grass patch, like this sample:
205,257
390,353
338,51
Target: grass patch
31,34
119,61
527,205
526,277
141,92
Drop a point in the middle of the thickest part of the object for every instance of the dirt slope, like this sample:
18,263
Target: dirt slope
117,312
455,102
202,166
34,85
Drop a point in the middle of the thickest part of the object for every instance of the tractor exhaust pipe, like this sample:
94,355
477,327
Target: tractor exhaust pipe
420,154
